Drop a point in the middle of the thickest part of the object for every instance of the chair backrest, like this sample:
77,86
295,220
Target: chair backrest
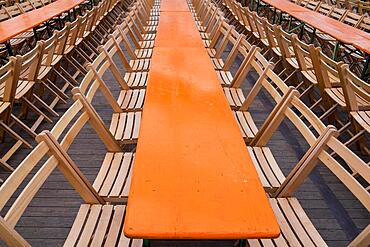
13,10
259,25
30,63
312,5
9,74
354,87
48,49
352,19
93,80
254,62
62,37
25,6
113,47
271,83
325,9
251,20
302,53
365,24
326,69
73,32
243,13
36,3
271,37
284,40
4,14
338,13
220,39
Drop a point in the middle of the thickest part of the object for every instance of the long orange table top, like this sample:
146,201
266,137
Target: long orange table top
24,22
338,30
193,177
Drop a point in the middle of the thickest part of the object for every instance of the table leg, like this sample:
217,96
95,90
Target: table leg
313,36
335,51
9,48
273,18
242,243
35,33
281,18
146,243
365,71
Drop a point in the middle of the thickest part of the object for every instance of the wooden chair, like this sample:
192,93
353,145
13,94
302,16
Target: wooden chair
357,97
94,211
8,79
262,34
295,225
127,115
274,48
130,65
122,34
289,61
278,91
241,50
255,63
303,53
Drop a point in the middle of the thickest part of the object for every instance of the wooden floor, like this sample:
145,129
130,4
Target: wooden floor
48,219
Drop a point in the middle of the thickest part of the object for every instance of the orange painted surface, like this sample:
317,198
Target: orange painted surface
340,31
19,24
193,177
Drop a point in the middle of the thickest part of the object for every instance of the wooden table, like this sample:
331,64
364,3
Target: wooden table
24,22
338,30
193,177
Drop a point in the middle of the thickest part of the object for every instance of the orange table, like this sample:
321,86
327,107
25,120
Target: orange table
338,30
24,22
193,177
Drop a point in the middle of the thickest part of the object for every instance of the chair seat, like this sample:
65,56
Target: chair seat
201,28
98,224
114,177
204,36
149,36
267,168
131,100
225,77
336,93
295,226
146,44
56,59
4,106
218,63
140,64
23,87
234,96
206,43
136,79
152,23
125,126
246,124
43,72
150,28
310,76
211,52
362,118
144,53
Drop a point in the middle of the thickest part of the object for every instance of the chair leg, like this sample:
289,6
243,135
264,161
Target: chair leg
23,126
12,133
36,110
